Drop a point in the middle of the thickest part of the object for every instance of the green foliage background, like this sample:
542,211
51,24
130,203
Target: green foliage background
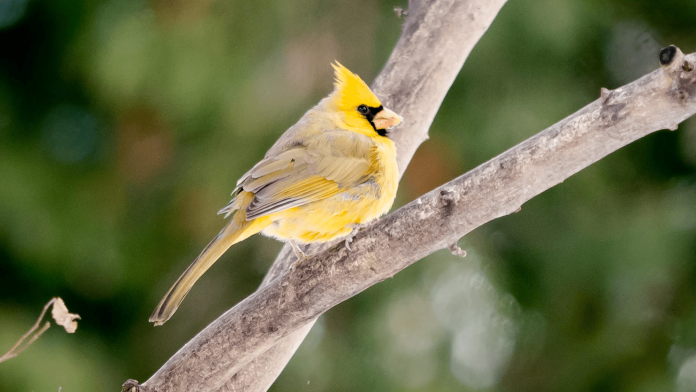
124,125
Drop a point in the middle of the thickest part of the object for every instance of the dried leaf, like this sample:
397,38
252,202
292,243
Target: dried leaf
62,317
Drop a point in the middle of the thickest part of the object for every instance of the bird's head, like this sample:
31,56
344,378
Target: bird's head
361,109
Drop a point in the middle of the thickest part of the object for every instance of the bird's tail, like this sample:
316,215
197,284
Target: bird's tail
237,229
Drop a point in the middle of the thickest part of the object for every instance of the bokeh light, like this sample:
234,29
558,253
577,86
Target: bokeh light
70,134
124,125
11,11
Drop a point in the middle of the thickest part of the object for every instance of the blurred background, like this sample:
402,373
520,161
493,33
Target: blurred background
124,125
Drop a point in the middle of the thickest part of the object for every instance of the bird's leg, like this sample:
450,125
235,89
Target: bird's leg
356,229
298,252
296,249
349,239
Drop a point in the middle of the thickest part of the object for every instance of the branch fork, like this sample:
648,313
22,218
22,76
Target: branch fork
260,334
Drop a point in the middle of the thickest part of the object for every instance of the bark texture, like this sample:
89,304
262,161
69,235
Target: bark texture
437,37
220,356
659,100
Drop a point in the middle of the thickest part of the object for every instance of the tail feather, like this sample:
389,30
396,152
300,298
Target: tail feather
236,230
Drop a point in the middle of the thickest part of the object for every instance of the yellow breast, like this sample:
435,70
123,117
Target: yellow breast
336,216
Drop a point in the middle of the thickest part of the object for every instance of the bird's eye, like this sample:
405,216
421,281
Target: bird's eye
363,109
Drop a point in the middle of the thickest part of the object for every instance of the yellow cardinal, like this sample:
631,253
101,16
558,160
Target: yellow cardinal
334,169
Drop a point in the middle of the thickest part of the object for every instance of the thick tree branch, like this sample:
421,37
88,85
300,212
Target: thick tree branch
437,37
661,99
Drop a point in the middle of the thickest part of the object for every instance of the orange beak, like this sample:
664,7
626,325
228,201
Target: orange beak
386,119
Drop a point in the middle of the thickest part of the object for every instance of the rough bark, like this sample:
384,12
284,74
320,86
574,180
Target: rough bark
659,100
437,37
229,354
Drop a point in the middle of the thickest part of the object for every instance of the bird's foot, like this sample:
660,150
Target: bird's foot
349,239
359,226
356,229
301,256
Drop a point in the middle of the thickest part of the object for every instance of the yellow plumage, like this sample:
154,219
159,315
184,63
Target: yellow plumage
334,169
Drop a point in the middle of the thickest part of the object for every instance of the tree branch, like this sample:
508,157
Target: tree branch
659,100
437,37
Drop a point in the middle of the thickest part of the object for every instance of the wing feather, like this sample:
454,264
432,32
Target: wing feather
324,166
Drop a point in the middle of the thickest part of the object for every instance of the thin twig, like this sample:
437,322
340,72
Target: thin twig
16,349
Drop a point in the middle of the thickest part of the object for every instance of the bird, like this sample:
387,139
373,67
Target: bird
334,171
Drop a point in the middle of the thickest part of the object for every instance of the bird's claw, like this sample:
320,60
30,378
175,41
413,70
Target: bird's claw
356,229
297,262
349,239
301,256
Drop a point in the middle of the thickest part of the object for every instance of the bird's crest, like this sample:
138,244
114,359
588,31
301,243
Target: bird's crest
350,91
